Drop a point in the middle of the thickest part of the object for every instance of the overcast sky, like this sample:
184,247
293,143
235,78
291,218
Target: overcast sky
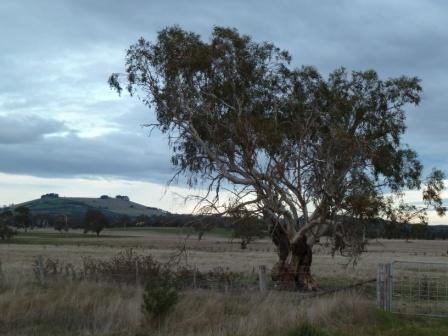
63,130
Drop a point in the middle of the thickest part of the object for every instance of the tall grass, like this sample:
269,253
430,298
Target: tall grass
90,308
71,308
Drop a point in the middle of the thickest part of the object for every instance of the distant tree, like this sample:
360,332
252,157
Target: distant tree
248,229
50,196
7,217
6,220
41,220
6,232
60,223
125,220
200,226
22,217
419,231
142,220
95,221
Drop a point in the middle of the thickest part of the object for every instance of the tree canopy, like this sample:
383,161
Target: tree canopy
301,150
22,217
95,221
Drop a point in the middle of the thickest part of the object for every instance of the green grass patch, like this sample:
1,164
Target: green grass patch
217,232
57,238
307,329
387,324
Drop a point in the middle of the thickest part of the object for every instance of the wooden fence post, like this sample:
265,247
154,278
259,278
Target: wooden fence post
83,272
262,278
40,265
1,271
384,287
194,277
136,273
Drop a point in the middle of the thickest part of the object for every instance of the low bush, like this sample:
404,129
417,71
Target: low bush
126,266
307,329
159,297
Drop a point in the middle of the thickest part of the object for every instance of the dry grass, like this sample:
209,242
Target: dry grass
68,308
88,308
212,252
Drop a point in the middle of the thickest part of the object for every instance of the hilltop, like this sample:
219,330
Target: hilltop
113,207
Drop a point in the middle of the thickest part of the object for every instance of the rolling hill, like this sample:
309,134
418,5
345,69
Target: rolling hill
52,204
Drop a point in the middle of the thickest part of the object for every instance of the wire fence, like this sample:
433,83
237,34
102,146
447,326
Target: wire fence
419,288
403,287
131,269
413,288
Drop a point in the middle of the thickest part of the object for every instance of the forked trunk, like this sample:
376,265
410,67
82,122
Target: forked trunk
293,270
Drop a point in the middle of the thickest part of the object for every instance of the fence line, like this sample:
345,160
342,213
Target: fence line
139,271
413,288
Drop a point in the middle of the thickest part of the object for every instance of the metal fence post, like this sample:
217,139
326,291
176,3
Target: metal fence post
383,287
262,278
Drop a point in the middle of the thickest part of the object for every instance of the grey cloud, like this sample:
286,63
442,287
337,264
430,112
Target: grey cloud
17,129
56,56
128,156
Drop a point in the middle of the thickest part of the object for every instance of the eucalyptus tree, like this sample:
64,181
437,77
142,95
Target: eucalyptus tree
6,221
95,221
22,217
311,155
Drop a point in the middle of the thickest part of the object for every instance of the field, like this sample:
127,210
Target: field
103,308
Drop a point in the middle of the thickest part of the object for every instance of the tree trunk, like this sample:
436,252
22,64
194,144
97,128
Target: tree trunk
293,270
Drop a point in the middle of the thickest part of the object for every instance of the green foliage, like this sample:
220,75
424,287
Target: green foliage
60,223
160,296
22,217
307,329
248,229
6,233
387,324
291,142
95,221
6,220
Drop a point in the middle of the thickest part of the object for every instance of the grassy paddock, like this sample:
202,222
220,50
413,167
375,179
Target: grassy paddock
89,308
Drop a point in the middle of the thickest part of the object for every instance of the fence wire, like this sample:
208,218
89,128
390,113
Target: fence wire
136,271
419,288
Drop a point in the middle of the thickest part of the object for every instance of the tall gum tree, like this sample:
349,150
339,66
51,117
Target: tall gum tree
312,156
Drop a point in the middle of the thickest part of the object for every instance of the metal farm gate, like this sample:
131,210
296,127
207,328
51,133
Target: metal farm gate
413,288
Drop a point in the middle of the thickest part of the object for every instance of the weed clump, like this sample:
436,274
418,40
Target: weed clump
307,329
159,297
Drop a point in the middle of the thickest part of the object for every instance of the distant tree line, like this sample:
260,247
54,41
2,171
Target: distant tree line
388,230
245,229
